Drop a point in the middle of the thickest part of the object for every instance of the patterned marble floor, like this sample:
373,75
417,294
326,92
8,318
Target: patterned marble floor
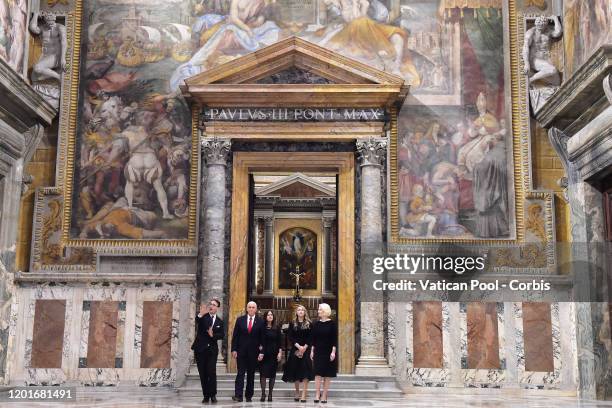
146,398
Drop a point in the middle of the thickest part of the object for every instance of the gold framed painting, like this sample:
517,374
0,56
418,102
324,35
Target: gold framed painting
131,144
298,246
459,173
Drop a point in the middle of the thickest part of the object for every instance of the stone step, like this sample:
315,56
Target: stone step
344,385
287,393
365,385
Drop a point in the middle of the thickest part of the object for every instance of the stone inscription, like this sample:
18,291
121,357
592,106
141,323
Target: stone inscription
293,114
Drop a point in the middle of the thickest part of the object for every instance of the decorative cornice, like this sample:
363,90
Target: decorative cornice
215,151
578,93
89,277
372,151
20,106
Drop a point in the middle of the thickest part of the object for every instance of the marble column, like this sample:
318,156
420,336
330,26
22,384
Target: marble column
372,360
215,154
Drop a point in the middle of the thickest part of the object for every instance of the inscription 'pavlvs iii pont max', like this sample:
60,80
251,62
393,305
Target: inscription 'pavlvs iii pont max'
294,114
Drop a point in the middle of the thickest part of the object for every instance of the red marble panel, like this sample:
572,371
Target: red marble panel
427,334
102,341
482,336
48,334
156,334
537,337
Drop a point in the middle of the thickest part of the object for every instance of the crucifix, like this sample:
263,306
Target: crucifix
296,292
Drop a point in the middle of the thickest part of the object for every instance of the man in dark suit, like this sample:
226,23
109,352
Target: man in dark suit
247,349
206,348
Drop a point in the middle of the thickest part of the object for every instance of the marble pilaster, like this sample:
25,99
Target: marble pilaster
372,360
328,223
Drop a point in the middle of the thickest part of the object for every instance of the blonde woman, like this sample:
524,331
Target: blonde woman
298,368
323,352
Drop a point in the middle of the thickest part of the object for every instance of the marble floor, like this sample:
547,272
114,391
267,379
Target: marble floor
147,398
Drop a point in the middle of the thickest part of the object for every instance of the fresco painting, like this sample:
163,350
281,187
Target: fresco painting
452,160
587,25
134,128
13,25
134,136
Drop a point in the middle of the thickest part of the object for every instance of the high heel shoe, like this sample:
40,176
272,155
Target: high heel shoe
263,397
323,401
269,397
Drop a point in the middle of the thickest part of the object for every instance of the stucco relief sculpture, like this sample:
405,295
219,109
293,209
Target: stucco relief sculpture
48,70
545,79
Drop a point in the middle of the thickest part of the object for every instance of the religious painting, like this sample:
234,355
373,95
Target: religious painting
298,245
402,37
133,167
297,258
13,26
587,25
453,163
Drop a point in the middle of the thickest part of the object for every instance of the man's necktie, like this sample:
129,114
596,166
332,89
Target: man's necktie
250,324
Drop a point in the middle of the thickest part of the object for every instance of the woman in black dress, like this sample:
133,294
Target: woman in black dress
273,352
323,351
299,367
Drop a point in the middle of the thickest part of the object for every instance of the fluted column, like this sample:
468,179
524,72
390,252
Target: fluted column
215,153
372,360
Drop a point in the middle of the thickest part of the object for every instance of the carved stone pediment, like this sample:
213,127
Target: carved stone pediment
294,72
296,185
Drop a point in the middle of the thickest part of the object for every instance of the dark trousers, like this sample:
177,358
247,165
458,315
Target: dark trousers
246,365
207,368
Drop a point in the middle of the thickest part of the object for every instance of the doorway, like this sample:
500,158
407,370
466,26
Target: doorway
295,169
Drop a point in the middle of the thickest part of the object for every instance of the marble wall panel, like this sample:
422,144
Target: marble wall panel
48,334
482,336
427,335
537,335
485,347
156,334
527,378
102,341
420,376
156,376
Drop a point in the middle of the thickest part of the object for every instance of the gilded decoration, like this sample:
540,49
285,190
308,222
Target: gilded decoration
48,253
131,160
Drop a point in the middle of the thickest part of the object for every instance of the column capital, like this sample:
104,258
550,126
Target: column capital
372,151
215,151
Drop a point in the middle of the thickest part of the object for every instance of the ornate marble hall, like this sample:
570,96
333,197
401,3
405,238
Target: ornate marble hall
157,153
